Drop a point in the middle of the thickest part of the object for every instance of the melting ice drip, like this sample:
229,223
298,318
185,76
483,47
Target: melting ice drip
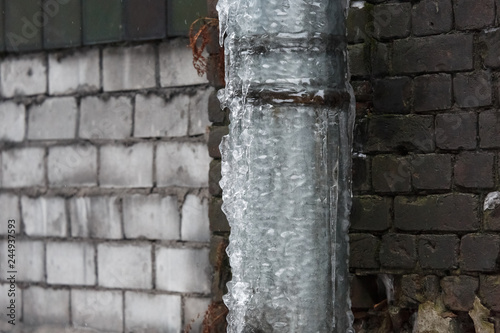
286,165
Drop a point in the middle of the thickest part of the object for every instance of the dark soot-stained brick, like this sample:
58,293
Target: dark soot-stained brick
392,95
489,129
459,292
391,174
431,171
363,251
490,291
391,20
432,92
456,130
479,252
474,170
398,251
475,14
431,17
371,213
472,89
438,251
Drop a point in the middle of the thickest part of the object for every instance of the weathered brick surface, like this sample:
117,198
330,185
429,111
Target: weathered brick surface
473,14
415,289
45,216
431,171
72,166
392,95
359,23
128,68
100,310
489,288
380,58
198,112
151,216
370,213
105,118
472,89
218,220
12,121
432,92
30,260
459,292
24,75
433,54
9,210
398,251
391,174
490,39
438,251
359,59
391,20
479,252
456,130
361,174
449,212
214,139
95,217
430,17
194,224
41,124
195,311
474,170
491,218
214,178
489,127
35,309
364,250
70,263
216,114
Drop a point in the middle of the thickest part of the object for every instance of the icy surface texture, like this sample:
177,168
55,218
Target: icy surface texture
286,165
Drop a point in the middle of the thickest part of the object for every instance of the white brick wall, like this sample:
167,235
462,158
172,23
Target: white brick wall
95,217
23,167
195,224
5,290
123,166
176,64
152,313
99,310
30,260
9,210
182,270
194,312
46,306
124,266
72,166
74,72
128,68
151,216
23,75
155,117
198,112
55,118
44,216
70,263
12,121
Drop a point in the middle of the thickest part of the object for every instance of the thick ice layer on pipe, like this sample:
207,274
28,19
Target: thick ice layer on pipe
286,166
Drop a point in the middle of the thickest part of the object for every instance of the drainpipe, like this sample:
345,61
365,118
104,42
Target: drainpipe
286,165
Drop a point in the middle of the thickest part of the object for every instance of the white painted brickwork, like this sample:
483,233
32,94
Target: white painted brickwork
104,167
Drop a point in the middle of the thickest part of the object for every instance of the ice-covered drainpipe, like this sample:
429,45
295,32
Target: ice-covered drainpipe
286,165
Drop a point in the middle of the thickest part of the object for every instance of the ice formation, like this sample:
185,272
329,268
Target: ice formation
286,165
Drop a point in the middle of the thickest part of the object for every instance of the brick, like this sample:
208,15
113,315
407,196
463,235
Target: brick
359,59
214,178
473,14
475,170
182,164
456,130
431,17
36,311
41,124
127,166
459,292
490,41
124,265
72,166
151,216
44,216
406,133
23,167
30,259
472,89
449,212
95,217
70,263
157,117
6,289
23,75
359,23
216,114
491,212
433,54
195,224
191,269
364,250
128,68
380,59
489,127
194,312
489,288
219,260
217,218
392,95
432,92
416,289
12,122
215,71
100,310
9,210
198,112
71,72
370,213
105,118
431,171
214,140
361,174
363,90
438,251
155,313
361,133
176,68
479,252
398,251
391,20
391,174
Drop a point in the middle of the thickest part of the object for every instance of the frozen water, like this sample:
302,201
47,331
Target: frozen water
286,165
